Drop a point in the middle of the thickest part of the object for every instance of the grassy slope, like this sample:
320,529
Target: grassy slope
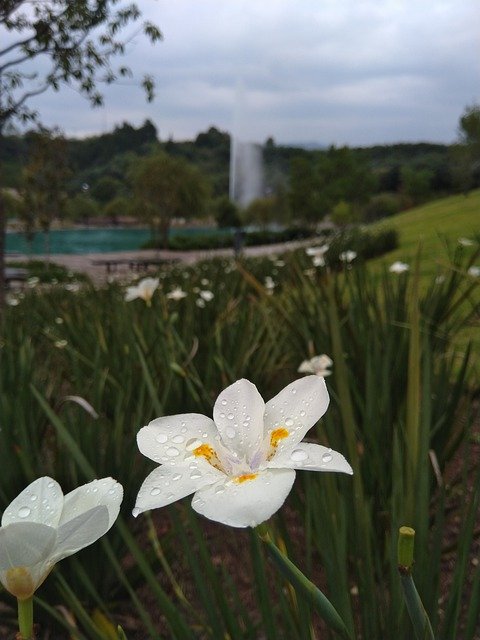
431,225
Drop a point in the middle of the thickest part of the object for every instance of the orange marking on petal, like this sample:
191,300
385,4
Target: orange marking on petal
245,477
277,435
210,455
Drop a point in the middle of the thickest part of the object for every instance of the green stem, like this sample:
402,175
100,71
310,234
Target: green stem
25,618
303,585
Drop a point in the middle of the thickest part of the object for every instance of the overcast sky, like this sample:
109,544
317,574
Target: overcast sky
354,72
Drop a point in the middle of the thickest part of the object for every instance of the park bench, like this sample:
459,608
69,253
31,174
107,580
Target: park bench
15,274
134,264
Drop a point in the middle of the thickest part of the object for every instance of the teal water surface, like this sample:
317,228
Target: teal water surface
79,241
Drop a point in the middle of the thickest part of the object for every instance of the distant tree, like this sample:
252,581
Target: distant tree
106,189
82,208
119,207
415,185
305,192
166,188
77,42
44,180
262,211
226,213
466,155
343,214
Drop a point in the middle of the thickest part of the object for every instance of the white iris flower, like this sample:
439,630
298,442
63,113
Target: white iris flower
144,289
42,526
318,365
240,465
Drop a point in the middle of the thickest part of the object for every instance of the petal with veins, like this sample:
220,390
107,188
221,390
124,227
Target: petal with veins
166,485
25,544
246,501
106,491
296,408
171,440
313,457
41,502
238,414
81,531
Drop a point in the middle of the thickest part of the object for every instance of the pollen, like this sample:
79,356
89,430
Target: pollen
245,477
210,455
277,435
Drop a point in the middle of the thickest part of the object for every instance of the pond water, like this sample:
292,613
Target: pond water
98,240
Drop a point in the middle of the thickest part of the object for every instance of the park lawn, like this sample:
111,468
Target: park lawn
430,227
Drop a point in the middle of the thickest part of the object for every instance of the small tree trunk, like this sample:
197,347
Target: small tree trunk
3,229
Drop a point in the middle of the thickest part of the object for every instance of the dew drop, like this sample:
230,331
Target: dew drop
155,491
302,413
298,455
195,475
33,497
230,432
172,452
224,402
222,415
327,457
246,423
220,489
51,484
178,439
135,512
177,476
161,438
289,422
24,512
294,391
192,444
230,416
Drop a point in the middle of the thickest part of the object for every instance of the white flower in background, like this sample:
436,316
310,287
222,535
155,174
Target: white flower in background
439,279
279,263
348,256
200,303
144,290
309,272
206,295
317,251
269,284
474,271
466,242
205,282
60,344
318,365
72,286
318,261
33,281
58,320
240,465
42,526
12,301
398,267
176,294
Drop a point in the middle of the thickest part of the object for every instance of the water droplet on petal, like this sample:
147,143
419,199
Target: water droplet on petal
155,491
294,391
135,512
51,484
222,415
24,512
327,457
177,476
220,489
289,422
302,413
178,439
195,475
230,432
33,497
161,438
224,402
298,455
193,443
172,452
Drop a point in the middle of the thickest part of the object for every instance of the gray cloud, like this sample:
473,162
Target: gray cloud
336,71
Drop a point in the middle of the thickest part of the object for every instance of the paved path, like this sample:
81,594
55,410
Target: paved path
85,263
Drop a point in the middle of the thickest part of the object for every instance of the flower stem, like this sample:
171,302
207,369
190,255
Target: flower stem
303,585
25,618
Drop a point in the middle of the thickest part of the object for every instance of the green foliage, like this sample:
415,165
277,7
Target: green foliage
106,189
167,188
226,213
82,208
380,206
117,208
263,212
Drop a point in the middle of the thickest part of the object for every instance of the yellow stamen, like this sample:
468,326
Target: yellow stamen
277,435
245,477
210,455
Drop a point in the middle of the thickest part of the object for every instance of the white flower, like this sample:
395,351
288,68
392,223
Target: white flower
317,251
240,465
60,344
269,283
318,261
42,526
318,365
33,281
176,294
72,286
466,242
398,267
200,302
439,279
144,289
58,320
474,271
206,295
12,301
204,282
348,256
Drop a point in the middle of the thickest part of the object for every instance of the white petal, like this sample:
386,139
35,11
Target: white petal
296,408
131,294
25,544
238,414
106,491
41,501
83,530
166,485
305,367
313,457
171,440
245,504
